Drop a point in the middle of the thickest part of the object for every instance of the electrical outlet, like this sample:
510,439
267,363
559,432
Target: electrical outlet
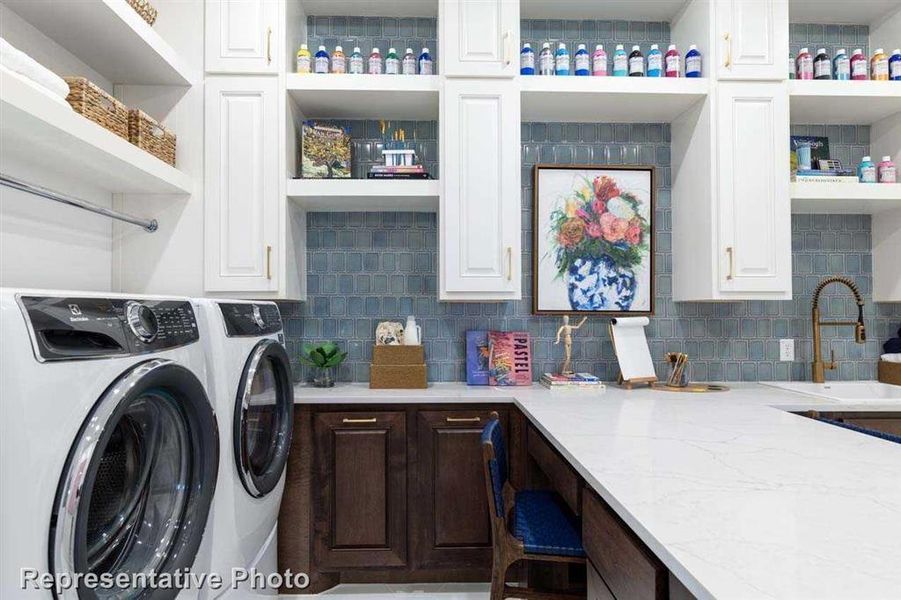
787,350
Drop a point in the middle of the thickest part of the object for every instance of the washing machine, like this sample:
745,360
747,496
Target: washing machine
254,399
109,446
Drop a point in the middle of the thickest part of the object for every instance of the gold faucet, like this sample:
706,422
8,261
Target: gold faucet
860,332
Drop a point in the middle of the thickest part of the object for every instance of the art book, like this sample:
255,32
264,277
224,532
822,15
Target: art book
509,358
477,357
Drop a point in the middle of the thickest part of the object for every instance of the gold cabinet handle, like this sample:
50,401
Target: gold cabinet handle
357,421
269,45
463,419
731,254
268,262
728,62
508,44
509,263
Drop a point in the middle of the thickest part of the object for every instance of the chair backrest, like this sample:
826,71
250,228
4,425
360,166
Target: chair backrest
494,452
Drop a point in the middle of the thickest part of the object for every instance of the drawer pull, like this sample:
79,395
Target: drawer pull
356,421
463,419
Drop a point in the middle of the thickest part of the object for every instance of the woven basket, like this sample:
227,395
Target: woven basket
889,372
148,135
90,101
145,9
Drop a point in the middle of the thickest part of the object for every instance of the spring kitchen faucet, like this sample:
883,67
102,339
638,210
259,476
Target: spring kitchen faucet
860,332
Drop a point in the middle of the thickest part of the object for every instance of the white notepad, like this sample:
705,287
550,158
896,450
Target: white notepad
631,346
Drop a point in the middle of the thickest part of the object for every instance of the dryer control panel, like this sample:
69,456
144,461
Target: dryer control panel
243,319
81,328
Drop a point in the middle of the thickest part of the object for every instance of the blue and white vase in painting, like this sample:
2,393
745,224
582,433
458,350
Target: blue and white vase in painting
598,284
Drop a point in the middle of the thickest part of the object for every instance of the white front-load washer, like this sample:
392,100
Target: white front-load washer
254,399
110,446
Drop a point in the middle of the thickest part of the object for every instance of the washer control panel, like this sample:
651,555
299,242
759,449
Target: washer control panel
80,328
246,319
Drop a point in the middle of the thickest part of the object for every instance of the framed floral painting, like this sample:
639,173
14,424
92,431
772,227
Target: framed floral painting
593,240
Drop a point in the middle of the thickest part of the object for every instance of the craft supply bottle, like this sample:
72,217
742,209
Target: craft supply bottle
693,62
426,64
859,70
822,66
546,60
886,171
879,65
804,64
392,63
355,62
620,62
527,60
791,66
866,171
894,65
375,62
304,60
339,61
320,61
636,62
673,62
561,60
582,61
841,65
599,62
409,62
655,62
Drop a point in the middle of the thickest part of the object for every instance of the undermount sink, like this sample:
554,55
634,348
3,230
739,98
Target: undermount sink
845,391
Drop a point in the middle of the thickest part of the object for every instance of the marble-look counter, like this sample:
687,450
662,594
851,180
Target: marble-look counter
735,495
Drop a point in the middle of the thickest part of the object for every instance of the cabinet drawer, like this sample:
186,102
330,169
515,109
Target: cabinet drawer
565,480
629,569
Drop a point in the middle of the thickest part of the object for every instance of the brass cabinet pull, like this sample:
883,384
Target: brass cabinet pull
268,262
508,43
355,421
731,254
463,419
509,263
728,62
269,45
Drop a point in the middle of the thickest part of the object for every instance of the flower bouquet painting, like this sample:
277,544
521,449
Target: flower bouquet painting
593,240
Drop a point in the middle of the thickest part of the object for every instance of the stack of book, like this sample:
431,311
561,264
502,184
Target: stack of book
398,172
576,381
824,176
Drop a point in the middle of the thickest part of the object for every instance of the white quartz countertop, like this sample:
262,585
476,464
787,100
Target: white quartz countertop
738,497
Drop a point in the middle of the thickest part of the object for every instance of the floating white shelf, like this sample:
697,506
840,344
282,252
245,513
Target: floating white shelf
110,37
36,129
609,99
369,8
857,12
629,10
843,102
419,195
845,198
408,97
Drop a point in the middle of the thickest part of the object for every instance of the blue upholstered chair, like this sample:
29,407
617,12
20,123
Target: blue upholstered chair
526,525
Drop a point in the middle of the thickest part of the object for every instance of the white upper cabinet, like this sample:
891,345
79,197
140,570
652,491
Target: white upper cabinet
752,39
754,203
242,36
479,38
241,184
479,219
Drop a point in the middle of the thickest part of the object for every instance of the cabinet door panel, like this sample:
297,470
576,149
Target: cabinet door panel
479,38
242,36
241,180
752,39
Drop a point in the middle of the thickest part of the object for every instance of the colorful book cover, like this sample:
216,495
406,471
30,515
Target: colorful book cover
509,358
477,357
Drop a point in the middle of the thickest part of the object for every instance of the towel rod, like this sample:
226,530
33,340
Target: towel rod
149,225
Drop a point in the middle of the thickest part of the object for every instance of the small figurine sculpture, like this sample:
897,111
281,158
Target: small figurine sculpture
566,330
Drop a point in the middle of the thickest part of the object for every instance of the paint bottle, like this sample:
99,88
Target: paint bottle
879,65
546,60
355,62
804,65
426,64
886,171
375,62
859,66
693,62
866,171
304,60
320,61
409,62
791,66
655,62
561,60
599,62
822,66
339,61
392,63
673,62
894,65
636,62
620,62
582,61
527,60
841,65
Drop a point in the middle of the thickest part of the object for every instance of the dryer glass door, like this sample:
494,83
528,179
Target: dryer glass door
264,418
137,487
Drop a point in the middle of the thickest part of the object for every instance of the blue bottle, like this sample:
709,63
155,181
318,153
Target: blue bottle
620,62
894,65
582,61
693,62
321,61
655,62
866,170
425,62
841,65
561,60
527,60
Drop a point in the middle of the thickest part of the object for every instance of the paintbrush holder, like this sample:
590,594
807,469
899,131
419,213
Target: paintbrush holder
679,374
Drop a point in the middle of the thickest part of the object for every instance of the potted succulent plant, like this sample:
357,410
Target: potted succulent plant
324,358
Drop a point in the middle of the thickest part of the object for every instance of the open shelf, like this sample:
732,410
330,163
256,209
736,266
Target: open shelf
853,12
609,99
845,198
338,195
629,10
110,37
38,129
369,8
408,97
843,102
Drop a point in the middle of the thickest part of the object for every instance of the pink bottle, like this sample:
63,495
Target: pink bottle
804,65
673,62
859,71
887,171
599,62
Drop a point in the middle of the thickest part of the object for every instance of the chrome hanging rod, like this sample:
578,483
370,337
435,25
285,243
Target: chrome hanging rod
17,184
